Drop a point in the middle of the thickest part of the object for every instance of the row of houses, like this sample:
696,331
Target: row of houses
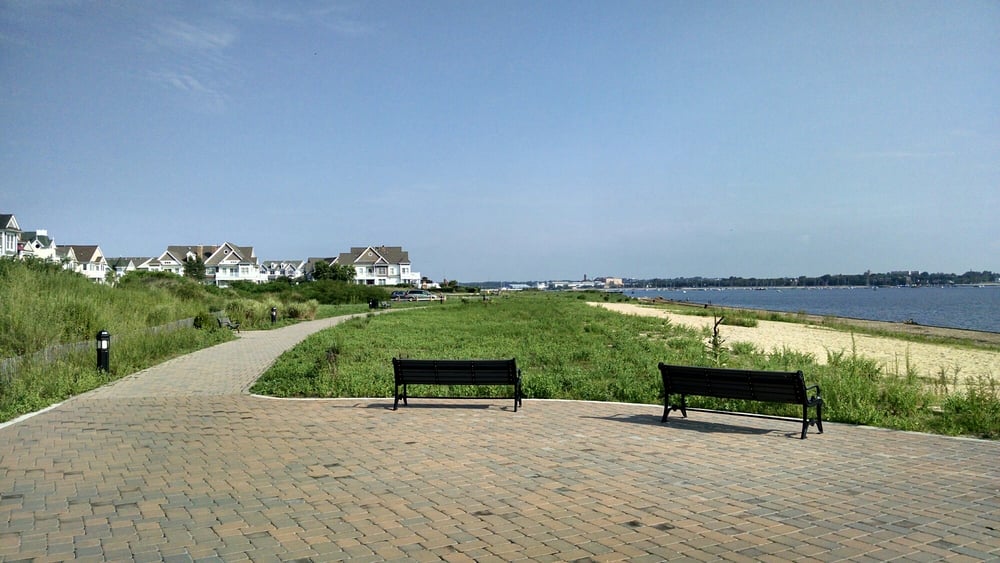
224,263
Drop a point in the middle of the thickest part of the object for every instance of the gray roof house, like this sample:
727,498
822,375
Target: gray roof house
39,244
125,264
87,259
10,235
291,269
224,263
380,265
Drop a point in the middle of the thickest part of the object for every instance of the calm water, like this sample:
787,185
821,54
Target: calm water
974,308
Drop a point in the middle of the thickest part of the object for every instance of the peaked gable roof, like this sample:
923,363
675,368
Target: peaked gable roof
66,252
125,261
33,236
85,252
8,222
228,252
181,252
375,255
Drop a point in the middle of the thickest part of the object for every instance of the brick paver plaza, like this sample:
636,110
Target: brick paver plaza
180,463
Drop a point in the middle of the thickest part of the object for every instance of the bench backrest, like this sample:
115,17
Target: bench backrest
455,372
773,386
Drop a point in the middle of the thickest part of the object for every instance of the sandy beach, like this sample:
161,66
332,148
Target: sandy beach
928,360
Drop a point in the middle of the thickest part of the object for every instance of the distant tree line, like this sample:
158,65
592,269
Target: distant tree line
827,280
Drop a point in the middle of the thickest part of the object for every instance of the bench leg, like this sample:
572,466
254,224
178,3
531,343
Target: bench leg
819,416
667,407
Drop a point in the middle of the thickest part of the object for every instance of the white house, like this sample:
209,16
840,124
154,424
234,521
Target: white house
86,259
230,263
125,264
380,265
39,244
10,235
66,255
165,262
224,264
292,269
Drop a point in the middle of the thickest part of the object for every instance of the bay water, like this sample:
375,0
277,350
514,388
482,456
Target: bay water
965,307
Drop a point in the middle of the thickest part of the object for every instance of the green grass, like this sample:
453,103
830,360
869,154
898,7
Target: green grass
38,384
569,350
46,306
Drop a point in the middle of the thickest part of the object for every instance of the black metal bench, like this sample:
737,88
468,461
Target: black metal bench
455,372
224,322
767,386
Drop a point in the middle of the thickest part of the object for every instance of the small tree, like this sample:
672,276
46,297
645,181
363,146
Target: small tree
335,272
344,272
194,268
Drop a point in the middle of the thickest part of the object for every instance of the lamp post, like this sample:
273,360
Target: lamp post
103,350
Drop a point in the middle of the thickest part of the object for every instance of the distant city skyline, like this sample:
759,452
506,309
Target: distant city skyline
513,140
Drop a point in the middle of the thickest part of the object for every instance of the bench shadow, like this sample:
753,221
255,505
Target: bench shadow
693,424
449,406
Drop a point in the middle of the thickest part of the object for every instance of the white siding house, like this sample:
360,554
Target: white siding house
380,265
10,235
87,260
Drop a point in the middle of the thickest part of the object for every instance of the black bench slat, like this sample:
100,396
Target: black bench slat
750,385
455,372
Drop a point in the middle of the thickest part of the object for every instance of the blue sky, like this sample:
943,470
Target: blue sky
513,140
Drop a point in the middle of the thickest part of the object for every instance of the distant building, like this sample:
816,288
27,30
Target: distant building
38,244
10,235
224,264
86,259
380,265
291,269
125,264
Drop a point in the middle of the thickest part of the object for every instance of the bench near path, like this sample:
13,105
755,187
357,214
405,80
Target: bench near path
179,463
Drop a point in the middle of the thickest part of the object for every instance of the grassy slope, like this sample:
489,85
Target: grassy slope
569,350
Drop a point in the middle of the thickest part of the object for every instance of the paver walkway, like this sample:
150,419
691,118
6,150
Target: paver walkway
179,463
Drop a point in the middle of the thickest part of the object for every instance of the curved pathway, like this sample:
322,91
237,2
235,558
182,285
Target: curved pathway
179,463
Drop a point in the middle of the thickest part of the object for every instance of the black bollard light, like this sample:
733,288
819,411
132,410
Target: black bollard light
274,314
103,350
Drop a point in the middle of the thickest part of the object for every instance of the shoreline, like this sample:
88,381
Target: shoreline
959,335
895,355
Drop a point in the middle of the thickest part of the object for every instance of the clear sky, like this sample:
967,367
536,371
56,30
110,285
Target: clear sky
509,140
